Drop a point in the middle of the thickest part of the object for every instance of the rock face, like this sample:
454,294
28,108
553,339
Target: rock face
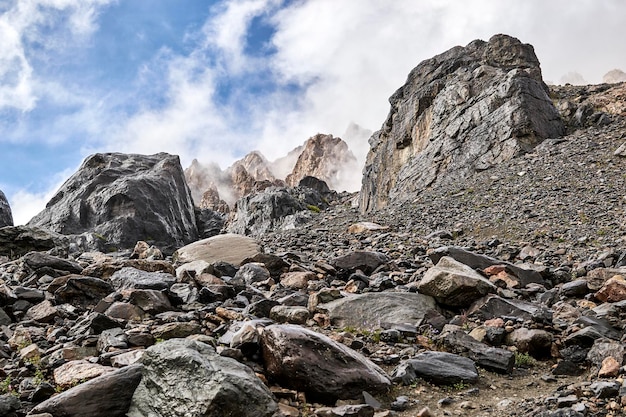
324,157
6,218
614,76
122,199
462,111
187,378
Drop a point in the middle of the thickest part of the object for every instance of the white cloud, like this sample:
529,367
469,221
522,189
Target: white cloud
50,24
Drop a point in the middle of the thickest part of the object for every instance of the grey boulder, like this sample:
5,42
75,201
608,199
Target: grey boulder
122,199
183,377
437,367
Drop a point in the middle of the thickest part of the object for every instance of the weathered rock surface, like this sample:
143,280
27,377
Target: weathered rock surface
275,209
121,199
6,217
311,362
462,111
379,310
19,240
231,248
188,378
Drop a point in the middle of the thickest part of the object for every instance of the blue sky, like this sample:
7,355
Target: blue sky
214,80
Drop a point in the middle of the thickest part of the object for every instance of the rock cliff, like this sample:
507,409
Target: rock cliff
122,199
459,112
6,218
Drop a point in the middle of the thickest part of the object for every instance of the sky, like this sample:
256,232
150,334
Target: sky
216,79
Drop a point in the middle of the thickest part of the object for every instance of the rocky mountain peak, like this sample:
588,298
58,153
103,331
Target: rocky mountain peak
325,157
614,76
459,112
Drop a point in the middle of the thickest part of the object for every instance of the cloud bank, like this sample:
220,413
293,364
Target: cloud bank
268,74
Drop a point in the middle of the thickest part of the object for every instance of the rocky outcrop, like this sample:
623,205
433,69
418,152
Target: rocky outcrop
19,240
6,218
275,209
324,157
463,111
121,199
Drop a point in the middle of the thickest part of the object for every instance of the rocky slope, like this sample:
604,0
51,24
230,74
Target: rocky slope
465,110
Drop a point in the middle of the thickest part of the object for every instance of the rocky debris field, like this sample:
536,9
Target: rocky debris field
500,295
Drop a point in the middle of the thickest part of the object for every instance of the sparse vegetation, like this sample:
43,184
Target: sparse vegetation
314,209
524,360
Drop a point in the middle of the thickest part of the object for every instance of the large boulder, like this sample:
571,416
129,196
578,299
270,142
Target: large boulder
459,112
121,199
183,377
376,310
454,284
19,240
275,208
301,359
108,395
230,247
6,218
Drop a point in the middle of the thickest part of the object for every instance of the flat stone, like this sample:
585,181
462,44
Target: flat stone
441,368
73,372
230,248
43,312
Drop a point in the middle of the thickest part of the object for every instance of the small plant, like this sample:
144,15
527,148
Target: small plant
313,208
5,386
524,360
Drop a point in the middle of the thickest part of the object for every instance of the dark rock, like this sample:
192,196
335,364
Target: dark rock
462,111
454,284
492,306
82,291
536,342
365,261
122,199
92,324
39,260
325,370
252,273
9,404
6,217
566,367
603,348
209,222
605,389
490,358
438,367
576,288
376,310
19,240
108,395
206,384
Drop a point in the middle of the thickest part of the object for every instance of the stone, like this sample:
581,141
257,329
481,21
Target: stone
297,280
151,301
207,384
374,310
230,248
43,312
127,358
210,223
603,348
577,288
363,227
493,307
536,342
143,250
275,209
524,275
92,324
366,261
176,330
302,359
459,112
106,269
73,372
252,273
289,314
610,368
454,284
9,404
129,277
108,395
491,358
6,217
597,277
121,199
81,291
125,311
327,158
613,290
440,368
